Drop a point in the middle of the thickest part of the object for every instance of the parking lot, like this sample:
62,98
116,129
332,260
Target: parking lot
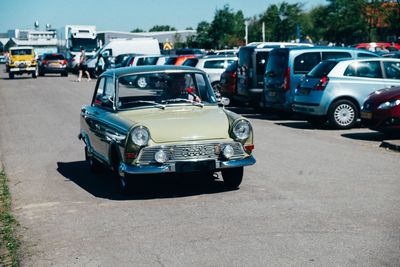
316,197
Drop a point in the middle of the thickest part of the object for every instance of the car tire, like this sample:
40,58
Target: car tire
64,74
41,73
95,166
232,177
141,82
343,114
11,75
217,89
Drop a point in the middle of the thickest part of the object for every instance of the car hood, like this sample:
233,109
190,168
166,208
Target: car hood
183,123
385,94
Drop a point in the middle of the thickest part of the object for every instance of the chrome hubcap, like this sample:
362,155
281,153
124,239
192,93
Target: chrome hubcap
344,115
142,82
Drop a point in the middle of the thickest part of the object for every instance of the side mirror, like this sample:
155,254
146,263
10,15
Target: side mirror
105,54
225,101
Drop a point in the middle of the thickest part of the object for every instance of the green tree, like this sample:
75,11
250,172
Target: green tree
203,38
137,30
346,21
162,28
227,28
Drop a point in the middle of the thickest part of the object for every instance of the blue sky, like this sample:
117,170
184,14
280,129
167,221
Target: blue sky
124,15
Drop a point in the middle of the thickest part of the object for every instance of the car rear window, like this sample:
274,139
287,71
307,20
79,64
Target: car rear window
54,57
333,54
191,62
366,55
171,61
277,64
365,69
322,69
214,64
261,61
21,52
305,62
147,61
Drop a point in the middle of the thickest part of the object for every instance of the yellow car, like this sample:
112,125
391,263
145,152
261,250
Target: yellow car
22,60
163,119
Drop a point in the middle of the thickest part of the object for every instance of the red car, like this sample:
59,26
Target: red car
381,110
228,81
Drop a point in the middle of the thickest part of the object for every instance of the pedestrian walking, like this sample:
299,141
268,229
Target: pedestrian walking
83,65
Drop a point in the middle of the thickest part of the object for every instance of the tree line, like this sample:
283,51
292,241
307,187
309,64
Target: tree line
343,22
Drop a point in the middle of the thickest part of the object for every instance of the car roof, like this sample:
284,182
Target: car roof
337,48
153,68
21,47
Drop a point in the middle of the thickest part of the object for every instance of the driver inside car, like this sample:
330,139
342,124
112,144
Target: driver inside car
176,88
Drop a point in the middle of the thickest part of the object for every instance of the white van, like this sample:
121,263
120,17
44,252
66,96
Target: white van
144,46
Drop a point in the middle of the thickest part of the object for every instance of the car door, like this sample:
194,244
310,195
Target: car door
96,114
392,73
363,78
214,68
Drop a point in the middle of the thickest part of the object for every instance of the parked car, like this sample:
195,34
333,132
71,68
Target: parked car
376,47
251,69
173,125
286,66
177,60
381,110
214,66
223,52
52,63
145,60
336,89
22,60
228,81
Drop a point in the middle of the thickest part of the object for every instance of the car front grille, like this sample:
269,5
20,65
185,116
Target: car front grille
185,152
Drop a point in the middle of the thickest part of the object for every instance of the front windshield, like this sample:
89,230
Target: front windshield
161,89
21,52
89,44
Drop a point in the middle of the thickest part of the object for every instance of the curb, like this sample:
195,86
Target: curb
392,145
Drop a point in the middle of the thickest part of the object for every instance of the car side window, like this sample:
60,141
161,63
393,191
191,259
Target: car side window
392,69
105,93
305,62
366,55
365,69
334,55
214,64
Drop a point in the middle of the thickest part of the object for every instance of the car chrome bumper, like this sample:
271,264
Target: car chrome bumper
22,69
170,167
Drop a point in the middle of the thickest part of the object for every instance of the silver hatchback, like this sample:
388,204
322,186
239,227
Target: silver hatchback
334,90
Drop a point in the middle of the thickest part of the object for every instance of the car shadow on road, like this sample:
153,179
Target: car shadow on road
371,136
104,185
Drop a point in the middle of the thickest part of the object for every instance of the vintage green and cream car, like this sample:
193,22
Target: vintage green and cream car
163,119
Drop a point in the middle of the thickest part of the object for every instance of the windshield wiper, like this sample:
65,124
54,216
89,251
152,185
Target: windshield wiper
175,100
155,104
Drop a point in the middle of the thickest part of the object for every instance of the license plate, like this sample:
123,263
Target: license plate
198,166
55,64
304,91
271,93
366,115
22,66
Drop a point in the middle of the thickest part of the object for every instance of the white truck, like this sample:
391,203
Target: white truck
107,54
72,37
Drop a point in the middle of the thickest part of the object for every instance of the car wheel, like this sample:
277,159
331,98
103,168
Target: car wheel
232,177
11,75
217,89
343,114
141,82
64,74
94,165
41,73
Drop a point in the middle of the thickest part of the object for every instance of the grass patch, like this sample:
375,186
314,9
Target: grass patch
9,244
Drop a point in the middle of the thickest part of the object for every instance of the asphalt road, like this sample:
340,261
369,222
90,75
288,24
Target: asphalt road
316,197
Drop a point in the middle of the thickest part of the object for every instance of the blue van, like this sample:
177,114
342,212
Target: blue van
286,66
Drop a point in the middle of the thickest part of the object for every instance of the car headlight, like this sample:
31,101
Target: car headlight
389,104
140,136
241,129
